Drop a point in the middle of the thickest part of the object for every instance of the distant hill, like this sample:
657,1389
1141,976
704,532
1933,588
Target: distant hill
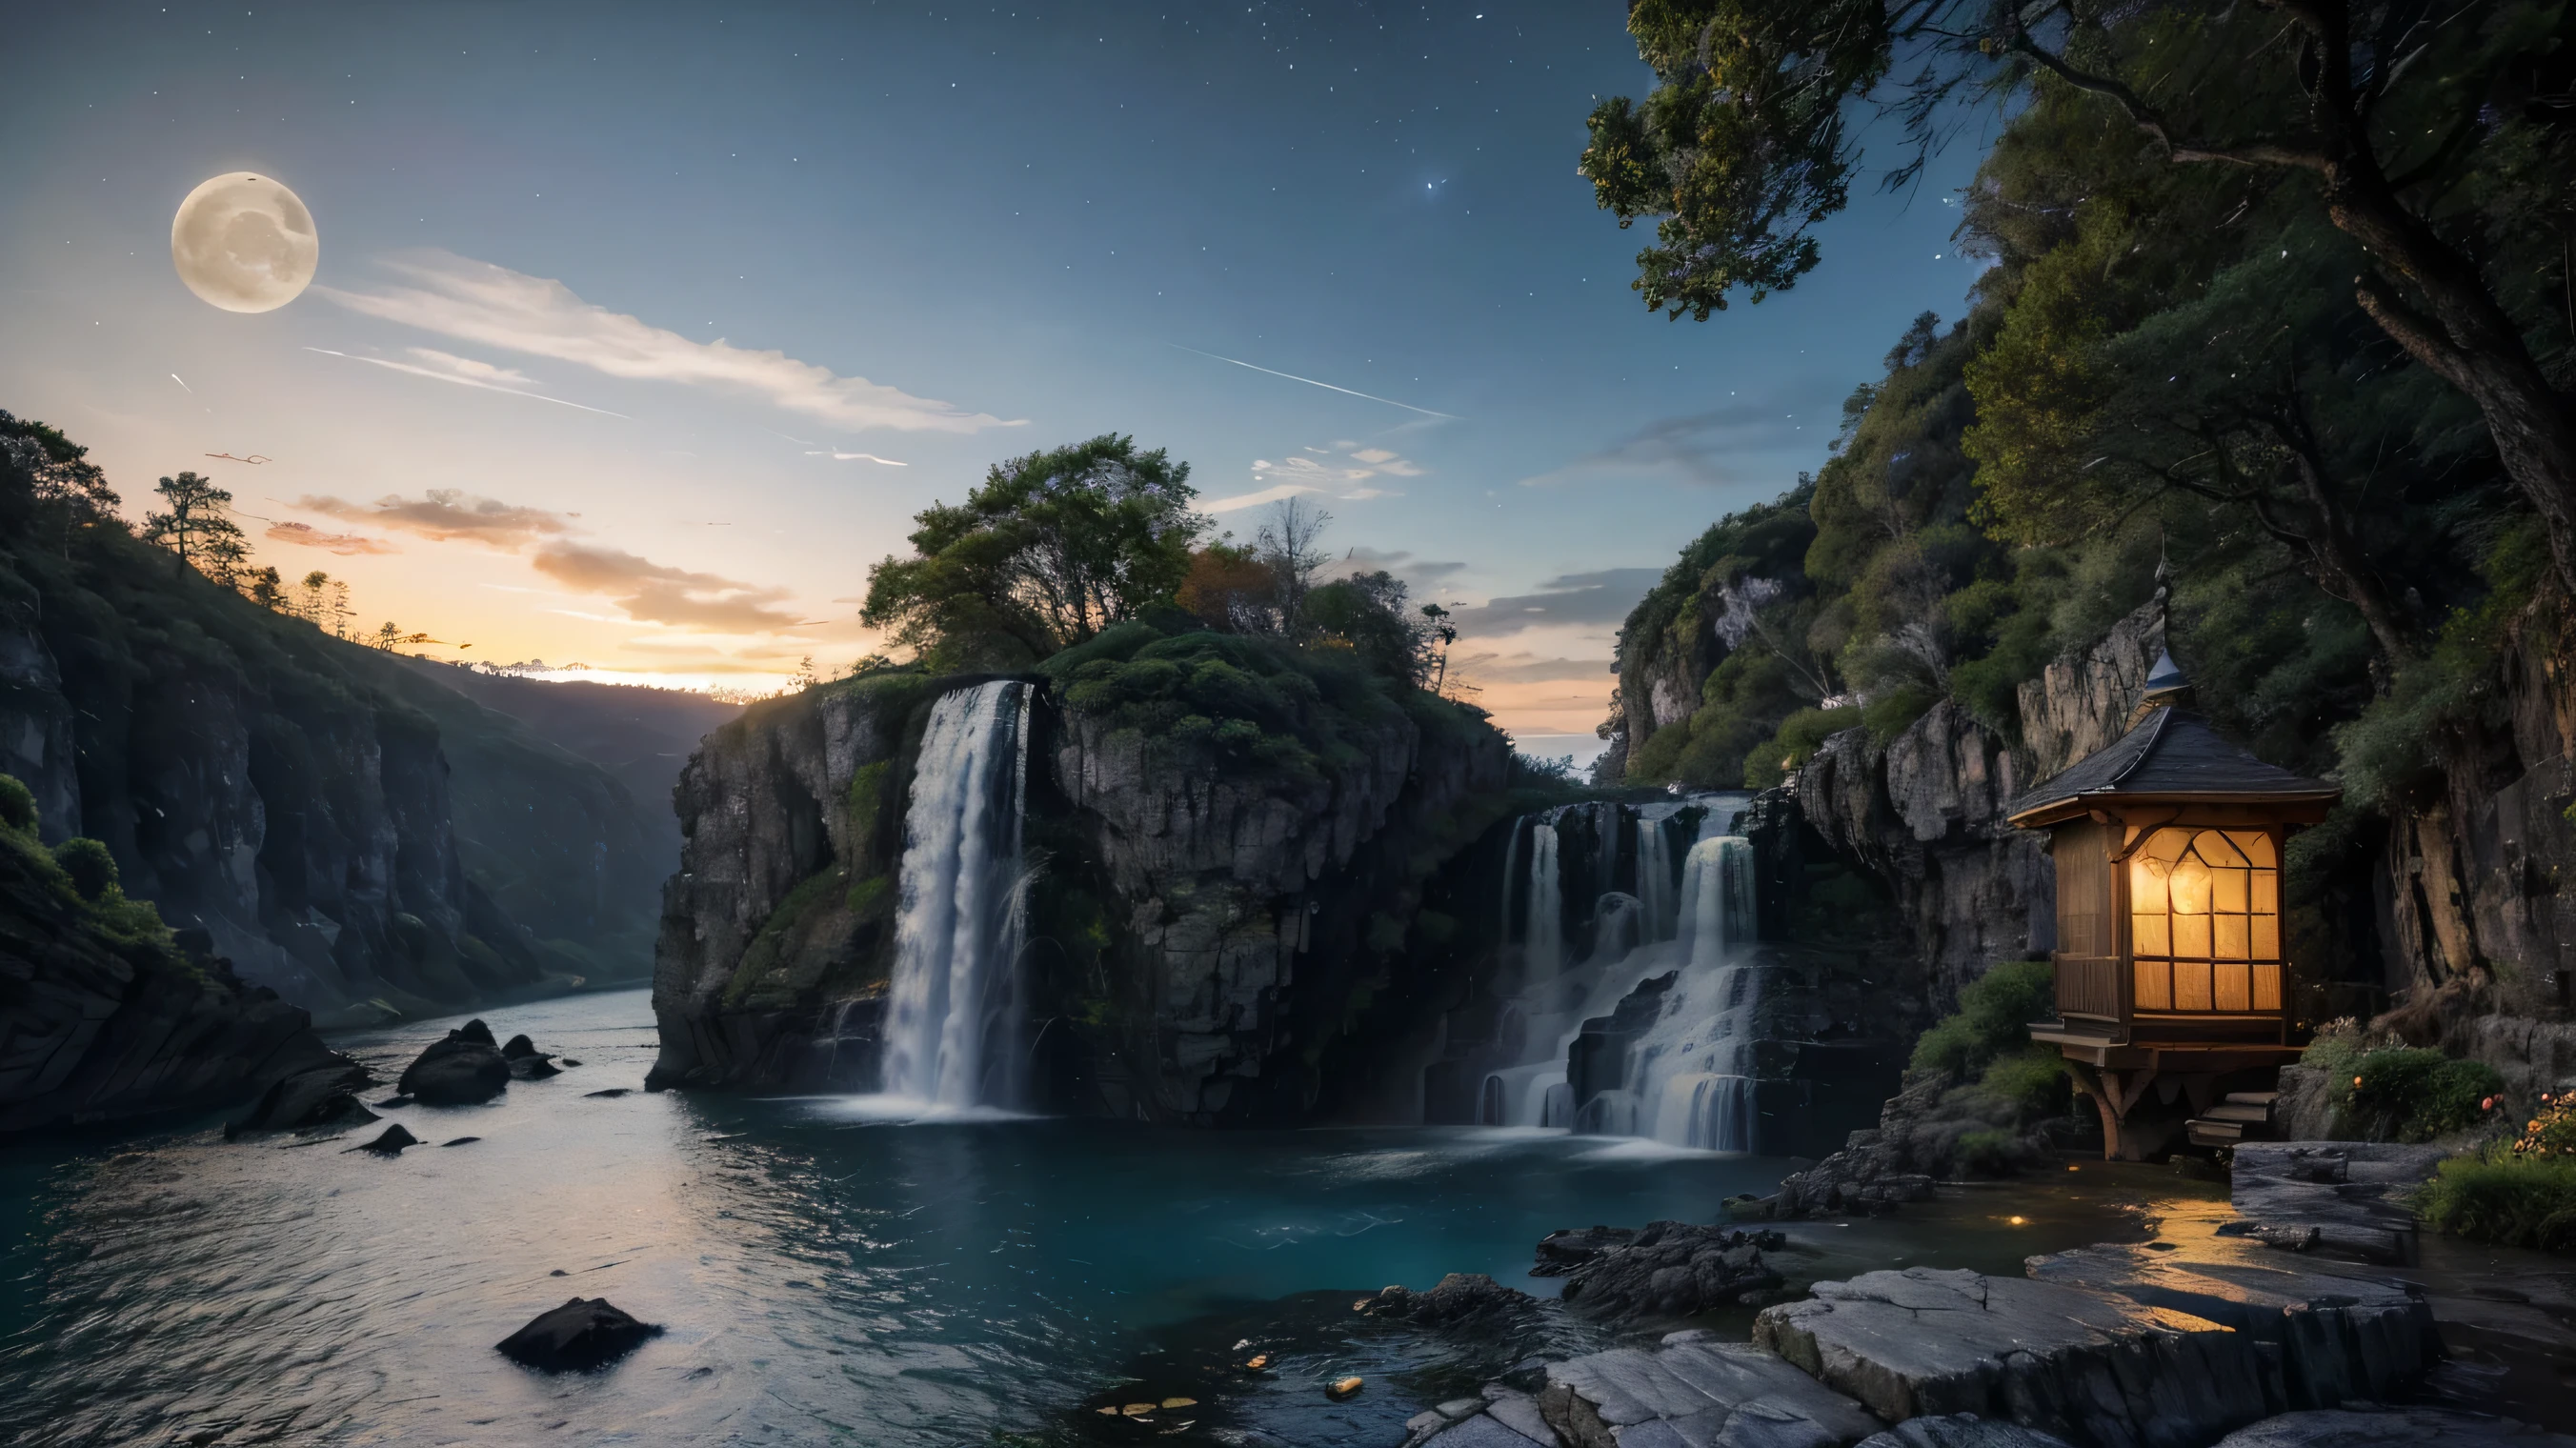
343,827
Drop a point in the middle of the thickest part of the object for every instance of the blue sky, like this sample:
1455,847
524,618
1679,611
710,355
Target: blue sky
929,237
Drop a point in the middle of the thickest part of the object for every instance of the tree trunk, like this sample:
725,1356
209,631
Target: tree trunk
2342,567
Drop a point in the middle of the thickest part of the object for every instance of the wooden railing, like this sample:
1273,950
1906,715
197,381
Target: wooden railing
2089,985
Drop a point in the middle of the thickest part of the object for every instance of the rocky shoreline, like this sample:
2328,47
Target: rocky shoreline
2275,1329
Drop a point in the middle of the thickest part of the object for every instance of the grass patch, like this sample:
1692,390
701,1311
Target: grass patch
2396,1094
2510,1199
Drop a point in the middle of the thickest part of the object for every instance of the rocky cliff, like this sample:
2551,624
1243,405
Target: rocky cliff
1205,936
284,792
1924,811
105,1017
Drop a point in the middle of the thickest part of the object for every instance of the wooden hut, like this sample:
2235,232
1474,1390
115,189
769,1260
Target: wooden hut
2172,1006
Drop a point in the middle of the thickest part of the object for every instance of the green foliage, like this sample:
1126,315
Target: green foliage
17,805
1987,1152
2033,1080
1366,614
1052,549
872,898
1993,1019
1800,736
2510,1199
2396,1094
1261,706
88,865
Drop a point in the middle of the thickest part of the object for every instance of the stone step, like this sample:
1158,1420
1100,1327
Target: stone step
2253,1098
2214,1133
2237,1111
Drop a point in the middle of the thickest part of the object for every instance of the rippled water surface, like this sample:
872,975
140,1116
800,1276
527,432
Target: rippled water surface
824,1278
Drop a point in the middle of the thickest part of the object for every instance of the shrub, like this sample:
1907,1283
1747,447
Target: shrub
2397,1094
2551,1130
2499,1195
1986,1152
17,804
91,868
2033,1080
1993,1020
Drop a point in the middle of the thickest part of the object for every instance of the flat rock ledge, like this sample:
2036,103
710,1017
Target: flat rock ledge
2093,1368
2342,1197
1693,1391
2336,1339
2414,1427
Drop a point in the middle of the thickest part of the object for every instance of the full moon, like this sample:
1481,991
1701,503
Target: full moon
244,243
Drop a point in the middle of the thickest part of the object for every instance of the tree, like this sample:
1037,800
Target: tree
1228,587
1366,613
264,586
1445,633
1053,548
55,469
1286,546
198,526
2436,139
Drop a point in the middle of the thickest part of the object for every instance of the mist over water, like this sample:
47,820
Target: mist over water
824,1276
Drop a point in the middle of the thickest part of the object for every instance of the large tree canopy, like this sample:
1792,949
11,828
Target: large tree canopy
2441,140
1053,548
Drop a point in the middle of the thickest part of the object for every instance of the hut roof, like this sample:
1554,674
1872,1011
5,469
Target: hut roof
2177,755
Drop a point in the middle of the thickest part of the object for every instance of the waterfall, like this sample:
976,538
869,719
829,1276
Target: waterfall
953,1025
1693,926
1543,953
1655,877
1690,1074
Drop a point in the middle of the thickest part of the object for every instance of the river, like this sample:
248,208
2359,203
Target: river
825,1278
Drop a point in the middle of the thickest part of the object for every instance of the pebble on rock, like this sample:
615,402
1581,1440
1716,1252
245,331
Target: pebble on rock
584,1333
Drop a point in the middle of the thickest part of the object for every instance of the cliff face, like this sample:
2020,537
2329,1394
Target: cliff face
1250,920
1209,935
1924,813
775,945
100,1024
283,792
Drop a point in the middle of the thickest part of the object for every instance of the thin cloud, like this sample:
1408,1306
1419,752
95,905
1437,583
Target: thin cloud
1526,668
1580,599
1328,387
1278,494
1421,573
465,379
496,307
447,515
1699,448
855,457
347,545
658,593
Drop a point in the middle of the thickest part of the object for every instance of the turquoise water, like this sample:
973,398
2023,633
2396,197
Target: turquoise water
823,1278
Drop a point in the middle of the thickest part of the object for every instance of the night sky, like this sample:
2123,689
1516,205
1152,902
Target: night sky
926,235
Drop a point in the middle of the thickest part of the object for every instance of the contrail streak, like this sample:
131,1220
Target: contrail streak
183,384
1328,387
463,381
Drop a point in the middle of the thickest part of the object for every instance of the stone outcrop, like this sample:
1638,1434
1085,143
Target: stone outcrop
1670,1270
2343,1197
98,1026
583,1334
462,1069
2410,1427
1916,1142
1960,1430
2097,1370
1469,1303
2338,1339
1695,1388
317,1098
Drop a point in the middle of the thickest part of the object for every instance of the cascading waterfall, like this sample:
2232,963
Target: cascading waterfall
1543,939
953,1022
1694,928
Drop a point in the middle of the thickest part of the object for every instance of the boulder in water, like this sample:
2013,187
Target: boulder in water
1562,1252
462,1070
519,1045
390,1143
612,1092
460,1141
531,1068
1463,1302
584,1333
1671,1269
308,1100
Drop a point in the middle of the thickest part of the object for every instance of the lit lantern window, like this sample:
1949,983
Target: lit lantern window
2205,921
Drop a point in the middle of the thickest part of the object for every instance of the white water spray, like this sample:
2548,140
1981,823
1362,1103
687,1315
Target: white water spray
953,1021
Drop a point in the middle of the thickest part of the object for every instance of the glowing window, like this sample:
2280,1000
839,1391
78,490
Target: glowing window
2205,921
